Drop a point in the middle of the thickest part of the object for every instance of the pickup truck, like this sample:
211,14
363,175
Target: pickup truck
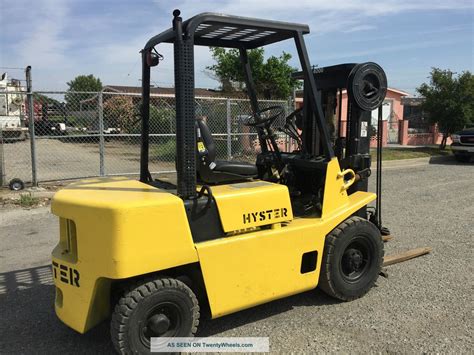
463,145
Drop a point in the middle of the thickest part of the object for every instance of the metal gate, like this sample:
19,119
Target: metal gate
387,115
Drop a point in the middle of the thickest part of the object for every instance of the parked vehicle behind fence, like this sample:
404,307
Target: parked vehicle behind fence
12,109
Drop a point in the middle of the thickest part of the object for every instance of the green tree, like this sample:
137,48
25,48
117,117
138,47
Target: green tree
120,112
78,101
45,99
162,119
272,77
449,100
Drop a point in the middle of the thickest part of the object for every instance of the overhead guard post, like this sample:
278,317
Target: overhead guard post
314,99
185,113
145,113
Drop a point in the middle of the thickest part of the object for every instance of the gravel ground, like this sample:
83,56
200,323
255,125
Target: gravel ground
425,305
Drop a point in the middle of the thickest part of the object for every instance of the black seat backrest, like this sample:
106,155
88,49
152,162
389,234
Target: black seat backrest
208,169
207,140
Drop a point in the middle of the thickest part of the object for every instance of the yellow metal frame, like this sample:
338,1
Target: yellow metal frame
252,204
115,229
124,229
253,268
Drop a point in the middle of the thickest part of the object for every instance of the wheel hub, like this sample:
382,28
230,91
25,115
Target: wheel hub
369,89
158,324
355,259
162,321
354,262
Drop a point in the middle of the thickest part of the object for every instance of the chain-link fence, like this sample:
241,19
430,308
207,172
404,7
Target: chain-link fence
14,143
85,134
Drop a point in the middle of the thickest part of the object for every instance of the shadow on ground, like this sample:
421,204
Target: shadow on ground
447,160
213,327
29,324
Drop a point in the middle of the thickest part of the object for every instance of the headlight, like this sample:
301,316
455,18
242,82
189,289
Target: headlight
456,138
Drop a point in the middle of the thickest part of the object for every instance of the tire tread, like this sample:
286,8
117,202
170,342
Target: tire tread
325,280
136,292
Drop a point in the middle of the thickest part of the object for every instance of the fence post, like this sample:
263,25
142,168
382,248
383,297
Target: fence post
229,130
101,134
2,162
31,126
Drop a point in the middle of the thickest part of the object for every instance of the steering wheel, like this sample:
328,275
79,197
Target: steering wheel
256,120
293,126
294,119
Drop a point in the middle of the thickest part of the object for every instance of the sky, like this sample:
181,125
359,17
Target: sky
61,39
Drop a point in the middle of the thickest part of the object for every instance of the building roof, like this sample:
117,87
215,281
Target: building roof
299,93
198,92
401,92
412,101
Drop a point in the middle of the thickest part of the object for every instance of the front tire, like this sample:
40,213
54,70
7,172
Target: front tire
153,308
352,259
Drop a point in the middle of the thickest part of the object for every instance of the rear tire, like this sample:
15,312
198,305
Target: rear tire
352,259
153,308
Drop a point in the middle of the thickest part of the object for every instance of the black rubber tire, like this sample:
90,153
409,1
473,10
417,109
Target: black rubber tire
462,158
134,307
16,184
353,232
364,74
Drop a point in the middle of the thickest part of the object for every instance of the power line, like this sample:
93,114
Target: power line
133,67
12,68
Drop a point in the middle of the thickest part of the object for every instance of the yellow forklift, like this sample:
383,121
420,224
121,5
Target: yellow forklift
229,235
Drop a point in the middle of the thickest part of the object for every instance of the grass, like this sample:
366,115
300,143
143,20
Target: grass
28,200
411,153
165,151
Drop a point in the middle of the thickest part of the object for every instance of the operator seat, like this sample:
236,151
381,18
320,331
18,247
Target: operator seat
214,171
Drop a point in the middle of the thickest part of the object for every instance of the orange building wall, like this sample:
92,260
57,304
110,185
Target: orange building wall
397,111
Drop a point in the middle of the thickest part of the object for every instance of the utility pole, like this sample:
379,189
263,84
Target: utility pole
2,162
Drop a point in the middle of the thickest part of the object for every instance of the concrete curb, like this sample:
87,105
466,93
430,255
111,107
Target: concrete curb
403,162
416,161
15,195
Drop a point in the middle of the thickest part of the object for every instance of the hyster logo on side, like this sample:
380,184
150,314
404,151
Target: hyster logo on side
66,274
266,215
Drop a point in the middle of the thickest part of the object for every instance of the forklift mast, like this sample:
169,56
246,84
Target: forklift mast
366,87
